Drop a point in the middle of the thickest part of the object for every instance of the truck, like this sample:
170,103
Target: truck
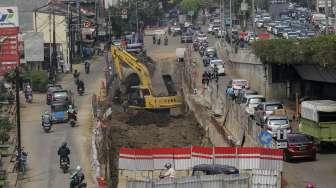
318,120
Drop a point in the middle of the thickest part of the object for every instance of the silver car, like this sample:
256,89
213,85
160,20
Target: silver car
251,102
275,123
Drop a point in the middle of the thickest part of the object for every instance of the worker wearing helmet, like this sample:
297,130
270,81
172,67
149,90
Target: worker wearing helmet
64,152
170,173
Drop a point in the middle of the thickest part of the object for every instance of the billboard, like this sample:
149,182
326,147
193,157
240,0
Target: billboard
9,17
33,46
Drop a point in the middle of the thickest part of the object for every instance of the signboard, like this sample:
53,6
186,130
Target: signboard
265,138
9,17
33,46
243,6
9,49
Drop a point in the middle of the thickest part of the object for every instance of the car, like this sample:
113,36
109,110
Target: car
243,93
273,123
291,35
300,145
64,96
220,34
211,52
186,38
201,37
210,29
238,84
264,109
252,101
219,64
116,42
176,30
50,90
213,169
216,28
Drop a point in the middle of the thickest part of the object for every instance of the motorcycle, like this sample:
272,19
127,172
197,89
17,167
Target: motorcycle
46,125
23,160
65,164
80,91
29,97
72,122
87,69
77,182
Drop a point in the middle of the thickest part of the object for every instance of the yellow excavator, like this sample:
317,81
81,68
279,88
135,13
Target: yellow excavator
141,96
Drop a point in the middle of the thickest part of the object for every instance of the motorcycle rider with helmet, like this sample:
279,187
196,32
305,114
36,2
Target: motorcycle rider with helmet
64,153
72,114
77,178
170,173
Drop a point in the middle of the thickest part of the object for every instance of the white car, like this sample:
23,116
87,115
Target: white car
220,34
210,29
219,64
252,101
275,123
202,37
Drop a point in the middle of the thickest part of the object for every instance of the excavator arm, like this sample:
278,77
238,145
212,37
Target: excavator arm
120,56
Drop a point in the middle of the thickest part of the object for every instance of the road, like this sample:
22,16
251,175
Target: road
43,161
321,173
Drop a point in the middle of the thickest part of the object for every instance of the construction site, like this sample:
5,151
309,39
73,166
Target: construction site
147,108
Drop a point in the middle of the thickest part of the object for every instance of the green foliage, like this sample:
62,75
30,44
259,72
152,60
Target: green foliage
319,50
10,76
38,79
190,5
5,127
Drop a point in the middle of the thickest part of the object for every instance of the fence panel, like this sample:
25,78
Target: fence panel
201,155
161,156
182,158
265,178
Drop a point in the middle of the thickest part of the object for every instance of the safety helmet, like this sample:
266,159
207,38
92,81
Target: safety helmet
46,112
78,168
70,106
310,185
168,165
64,144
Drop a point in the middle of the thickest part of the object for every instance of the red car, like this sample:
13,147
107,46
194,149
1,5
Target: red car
299,146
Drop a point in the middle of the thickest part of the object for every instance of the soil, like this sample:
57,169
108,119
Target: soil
179,131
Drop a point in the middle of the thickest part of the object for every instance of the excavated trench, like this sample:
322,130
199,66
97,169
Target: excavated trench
146,129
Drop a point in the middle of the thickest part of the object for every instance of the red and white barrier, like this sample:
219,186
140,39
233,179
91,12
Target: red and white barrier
186,158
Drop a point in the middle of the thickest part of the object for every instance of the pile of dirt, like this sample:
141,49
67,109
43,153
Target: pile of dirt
177,132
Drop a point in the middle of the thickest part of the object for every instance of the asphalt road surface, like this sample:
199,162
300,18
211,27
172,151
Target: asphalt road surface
43,162
322,172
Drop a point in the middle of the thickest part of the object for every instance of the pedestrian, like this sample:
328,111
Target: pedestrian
154,39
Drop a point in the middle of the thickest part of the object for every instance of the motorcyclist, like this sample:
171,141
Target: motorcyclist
64,153
77,178
87,67
72,114
170,173
76,76
80,85
154,39
46,117
166,40
28,91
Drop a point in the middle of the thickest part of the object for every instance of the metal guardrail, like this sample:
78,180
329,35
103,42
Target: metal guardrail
213,181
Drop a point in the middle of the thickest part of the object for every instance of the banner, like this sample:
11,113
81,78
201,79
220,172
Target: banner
9,51
9,17
185,158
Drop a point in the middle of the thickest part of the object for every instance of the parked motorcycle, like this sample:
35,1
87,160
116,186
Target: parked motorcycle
72,122
23,159
65,164
29,97
80,91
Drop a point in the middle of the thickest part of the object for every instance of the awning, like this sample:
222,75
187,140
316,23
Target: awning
316,73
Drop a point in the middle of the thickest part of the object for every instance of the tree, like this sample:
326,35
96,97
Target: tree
190,5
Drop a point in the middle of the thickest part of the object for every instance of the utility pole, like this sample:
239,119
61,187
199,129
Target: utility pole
54,52
253,15
70,36
231,24
79,31
136,13
326,13
18,120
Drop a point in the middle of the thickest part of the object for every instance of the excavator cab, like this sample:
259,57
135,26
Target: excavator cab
136,96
